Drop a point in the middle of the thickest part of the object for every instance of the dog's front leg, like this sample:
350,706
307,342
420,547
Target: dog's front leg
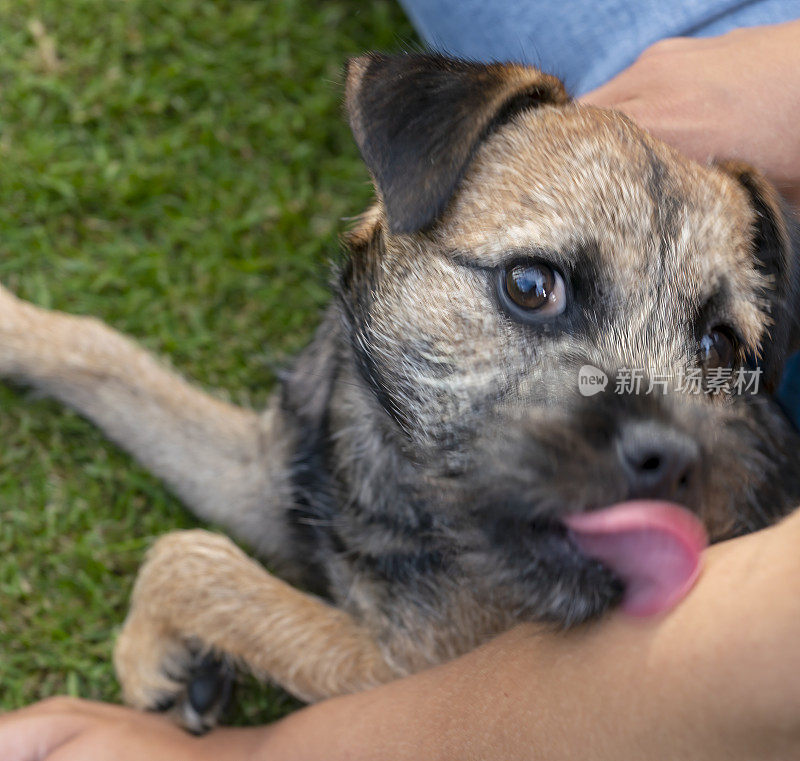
228,464
199,598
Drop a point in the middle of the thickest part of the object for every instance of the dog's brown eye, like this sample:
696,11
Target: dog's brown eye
535,287
718,349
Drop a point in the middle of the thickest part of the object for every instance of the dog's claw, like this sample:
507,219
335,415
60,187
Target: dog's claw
165,704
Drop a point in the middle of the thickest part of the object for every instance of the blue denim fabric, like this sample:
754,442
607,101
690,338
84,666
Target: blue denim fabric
583,42
586,43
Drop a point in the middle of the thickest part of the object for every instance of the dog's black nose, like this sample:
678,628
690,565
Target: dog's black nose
659,461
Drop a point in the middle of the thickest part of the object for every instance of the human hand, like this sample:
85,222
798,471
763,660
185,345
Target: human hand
68,729
734,96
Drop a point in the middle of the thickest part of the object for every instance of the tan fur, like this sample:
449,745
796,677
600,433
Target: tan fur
539,170
211,453
198,587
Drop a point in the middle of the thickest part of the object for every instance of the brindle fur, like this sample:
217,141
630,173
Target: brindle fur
413,466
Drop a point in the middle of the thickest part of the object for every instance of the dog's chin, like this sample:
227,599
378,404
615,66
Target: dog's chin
543,575
581,588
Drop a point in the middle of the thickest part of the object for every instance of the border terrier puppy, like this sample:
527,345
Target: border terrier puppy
415,468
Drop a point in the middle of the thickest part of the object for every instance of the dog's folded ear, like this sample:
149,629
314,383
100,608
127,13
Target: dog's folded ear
776,247
417,119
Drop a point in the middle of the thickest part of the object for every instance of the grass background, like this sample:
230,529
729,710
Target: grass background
179,169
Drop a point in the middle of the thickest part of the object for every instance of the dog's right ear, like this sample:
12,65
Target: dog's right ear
776,250
418,118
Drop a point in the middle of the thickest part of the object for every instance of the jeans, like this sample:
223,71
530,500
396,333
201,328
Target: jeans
583,42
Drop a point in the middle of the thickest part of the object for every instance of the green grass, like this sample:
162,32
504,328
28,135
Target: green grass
179,169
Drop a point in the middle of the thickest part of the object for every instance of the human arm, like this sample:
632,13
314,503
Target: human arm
715,679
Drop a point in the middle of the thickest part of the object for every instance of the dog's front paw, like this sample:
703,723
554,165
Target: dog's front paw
159,672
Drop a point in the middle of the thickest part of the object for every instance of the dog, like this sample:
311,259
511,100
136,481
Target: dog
413,471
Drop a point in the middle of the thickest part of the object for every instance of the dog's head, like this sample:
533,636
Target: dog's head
557,312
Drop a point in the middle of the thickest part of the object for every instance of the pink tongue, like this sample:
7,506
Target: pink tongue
654,547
